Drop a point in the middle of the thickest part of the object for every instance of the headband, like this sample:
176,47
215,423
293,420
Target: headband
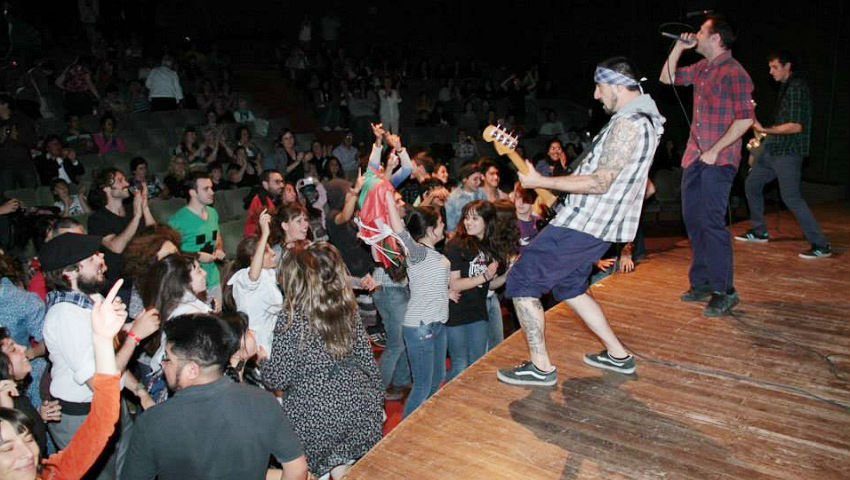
606,75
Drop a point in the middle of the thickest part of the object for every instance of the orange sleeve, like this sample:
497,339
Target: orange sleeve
89,441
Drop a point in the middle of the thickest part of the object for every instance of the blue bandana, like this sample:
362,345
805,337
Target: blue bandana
606,75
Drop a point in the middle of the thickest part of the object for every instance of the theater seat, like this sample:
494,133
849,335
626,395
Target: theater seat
162,210
231,235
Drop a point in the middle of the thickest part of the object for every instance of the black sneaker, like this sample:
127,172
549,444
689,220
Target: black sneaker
379,339
752,236
817,252
605,361
527,374
699,293
721,304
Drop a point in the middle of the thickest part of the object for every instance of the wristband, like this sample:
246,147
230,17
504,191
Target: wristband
132,335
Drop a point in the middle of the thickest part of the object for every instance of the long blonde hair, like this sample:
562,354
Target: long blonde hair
314,280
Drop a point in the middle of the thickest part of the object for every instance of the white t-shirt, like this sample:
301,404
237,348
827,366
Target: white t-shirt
67,335
188,304
260,300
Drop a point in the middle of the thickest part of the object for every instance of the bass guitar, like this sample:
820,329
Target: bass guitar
505,144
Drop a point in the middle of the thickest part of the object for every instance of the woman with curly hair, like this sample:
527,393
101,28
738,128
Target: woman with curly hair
151,244
475,256
321,357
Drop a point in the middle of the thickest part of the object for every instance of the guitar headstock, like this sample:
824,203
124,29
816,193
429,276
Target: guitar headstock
504,141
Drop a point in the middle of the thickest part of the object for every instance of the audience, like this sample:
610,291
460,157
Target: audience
292,321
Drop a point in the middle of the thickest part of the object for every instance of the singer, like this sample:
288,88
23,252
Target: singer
722,113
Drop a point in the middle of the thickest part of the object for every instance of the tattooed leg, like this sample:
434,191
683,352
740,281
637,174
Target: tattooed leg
590,312
530,314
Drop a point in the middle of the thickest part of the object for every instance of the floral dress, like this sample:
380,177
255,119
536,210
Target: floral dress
335,405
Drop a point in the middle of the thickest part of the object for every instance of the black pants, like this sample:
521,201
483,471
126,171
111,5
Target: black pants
159,104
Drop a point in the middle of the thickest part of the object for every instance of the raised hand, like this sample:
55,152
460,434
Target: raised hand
146,323
108,315
265,221
361,180
690,41
138,203
378,131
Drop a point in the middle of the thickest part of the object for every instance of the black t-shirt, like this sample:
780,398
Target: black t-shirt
103,222
222,430
355,254
472,306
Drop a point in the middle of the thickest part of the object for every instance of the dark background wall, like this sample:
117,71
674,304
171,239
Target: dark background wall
566,37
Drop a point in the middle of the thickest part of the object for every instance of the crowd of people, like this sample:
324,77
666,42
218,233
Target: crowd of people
265,360
266,352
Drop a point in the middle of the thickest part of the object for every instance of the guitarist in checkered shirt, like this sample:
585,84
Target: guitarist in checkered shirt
603,206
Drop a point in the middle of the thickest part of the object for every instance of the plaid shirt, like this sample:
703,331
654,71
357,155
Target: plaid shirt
722,94
614,215
70,296
795,106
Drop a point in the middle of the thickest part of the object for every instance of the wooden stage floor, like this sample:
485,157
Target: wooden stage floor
761,394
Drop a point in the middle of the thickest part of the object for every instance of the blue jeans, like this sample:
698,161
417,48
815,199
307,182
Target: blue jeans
392,305
705,200
785,169
495,330
426,350
467,343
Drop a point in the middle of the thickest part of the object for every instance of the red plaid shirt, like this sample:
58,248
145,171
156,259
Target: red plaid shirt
722,94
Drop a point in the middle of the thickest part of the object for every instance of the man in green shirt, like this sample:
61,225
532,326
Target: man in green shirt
197,223
786,144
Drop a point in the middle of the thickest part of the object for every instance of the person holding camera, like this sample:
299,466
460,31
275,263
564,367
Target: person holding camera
16,170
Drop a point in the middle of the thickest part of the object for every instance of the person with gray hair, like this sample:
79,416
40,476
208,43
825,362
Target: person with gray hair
163,83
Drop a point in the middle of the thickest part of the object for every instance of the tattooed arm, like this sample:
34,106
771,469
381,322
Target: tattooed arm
616,153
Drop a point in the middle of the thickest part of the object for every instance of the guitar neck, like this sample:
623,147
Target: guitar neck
545,195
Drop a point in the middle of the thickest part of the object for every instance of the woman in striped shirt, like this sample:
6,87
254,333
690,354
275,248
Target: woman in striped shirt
428,308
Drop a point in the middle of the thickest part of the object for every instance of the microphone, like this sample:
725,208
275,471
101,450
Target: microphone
676,37
698,13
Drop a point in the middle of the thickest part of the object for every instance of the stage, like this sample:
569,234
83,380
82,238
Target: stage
761,394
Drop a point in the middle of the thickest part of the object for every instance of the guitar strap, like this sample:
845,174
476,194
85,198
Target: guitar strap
562,196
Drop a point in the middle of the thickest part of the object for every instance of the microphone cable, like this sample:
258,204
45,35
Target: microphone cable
670,76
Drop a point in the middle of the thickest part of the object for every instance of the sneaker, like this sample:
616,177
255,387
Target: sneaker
379,339
394,394
527,374
817,252
699,293
605,361
721,304
752,236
